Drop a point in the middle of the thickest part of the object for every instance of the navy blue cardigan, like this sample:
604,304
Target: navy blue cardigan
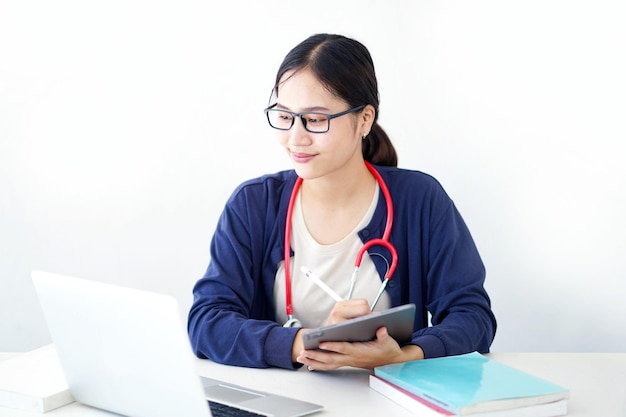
232,319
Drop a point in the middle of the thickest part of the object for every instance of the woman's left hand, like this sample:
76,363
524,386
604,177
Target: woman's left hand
368,355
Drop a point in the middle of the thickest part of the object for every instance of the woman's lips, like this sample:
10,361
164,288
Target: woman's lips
301,158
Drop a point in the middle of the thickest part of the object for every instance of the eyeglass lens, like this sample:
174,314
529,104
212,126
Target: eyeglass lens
313,122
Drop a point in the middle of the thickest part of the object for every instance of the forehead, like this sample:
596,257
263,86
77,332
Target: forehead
302,89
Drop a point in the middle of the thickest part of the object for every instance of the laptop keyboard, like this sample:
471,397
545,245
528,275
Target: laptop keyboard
223,410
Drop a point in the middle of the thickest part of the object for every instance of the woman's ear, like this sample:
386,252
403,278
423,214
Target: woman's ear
368,115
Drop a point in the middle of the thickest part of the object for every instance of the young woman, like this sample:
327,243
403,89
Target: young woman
345,190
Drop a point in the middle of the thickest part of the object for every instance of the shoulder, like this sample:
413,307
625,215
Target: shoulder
401,179
265,188
416,192
268,182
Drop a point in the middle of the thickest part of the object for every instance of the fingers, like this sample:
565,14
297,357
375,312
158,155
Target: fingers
381,334
348,309
367,355
323,360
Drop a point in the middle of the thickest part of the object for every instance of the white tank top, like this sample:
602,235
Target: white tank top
333,264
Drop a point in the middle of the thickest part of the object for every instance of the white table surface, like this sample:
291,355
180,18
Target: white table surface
597,383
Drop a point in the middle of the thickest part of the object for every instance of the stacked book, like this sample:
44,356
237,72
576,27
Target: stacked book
34,381
468,385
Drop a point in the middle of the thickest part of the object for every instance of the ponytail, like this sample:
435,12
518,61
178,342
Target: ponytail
378,149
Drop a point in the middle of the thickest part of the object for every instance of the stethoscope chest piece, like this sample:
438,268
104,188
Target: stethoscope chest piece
292,322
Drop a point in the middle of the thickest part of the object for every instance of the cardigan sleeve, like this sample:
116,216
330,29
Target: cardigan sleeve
439,267
461,315
231,320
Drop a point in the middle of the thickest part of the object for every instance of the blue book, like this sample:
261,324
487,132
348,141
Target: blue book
471,383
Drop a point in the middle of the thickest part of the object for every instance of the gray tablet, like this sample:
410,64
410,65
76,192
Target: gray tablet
398,320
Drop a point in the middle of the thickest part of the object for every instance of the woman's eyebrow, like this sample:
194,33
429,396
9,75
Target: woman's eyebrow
304,110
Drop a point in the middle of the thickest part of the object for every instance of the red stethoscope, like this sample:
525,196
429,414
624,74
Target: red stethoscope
384,241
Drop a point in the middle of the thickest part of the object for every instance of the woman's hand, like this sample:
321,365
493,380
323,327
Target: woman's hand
348,309
380,351
368,355
342,311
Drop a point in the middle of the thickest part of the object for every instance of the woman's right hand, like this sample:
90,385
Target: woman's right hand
343,310
348,309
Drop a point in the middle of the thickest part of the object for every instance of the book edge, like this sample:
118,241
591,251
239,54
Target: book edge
406,399
483,406
40,398
423,408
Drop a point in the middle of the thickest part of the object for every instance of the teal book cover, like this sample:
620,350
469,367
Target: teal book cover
471,383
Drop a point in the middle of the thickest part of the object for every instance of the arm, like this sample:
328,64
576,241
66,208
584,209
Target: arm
440,270
462,320
231,320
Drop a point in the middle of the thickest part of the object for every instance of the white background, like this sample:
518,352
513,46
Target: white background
125,125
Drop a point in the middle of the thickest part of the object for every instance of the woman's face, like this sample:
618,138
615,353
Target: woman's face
315,155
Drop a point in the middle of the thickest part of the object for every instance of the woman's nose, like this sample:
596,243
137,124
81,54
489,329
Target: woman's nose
298,135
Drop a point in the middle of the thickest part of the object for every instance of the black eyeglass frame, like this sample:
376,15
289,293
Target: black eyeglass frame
329,117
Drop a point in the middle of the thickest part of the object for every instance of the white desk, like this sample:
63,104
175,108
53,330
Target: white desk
597,383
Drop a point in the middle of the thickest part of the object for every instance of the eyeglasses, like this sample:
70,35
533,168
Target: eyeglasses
313,122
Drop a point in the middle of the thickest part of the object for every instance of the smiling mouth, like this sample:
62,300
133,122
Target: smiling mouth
301,157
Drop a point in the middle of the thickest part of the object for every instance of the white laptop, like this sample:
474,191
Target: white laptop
127,351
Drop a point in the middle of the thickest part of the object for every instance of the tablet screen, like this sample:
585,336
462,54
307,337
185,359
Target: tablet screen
398,320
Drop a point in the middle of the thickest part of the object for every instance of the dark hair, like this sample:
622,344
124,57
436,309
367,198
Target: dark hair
344,66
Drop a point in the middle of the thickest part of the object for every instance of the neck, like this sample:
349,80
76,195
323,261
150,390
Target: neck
340,188
334,205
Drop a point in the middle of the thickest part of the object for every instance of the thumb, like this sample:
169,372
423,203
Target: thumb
381,333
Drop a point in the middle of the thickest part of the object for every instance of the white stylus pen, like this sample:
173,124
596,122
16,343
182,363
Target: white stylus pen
320,283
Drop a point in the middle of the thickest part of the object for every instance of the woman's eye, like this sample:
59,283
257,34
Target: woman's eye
316,119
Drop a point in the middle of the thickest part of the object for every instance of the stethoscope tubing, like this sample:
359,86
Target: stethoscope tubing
383,241
287,256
